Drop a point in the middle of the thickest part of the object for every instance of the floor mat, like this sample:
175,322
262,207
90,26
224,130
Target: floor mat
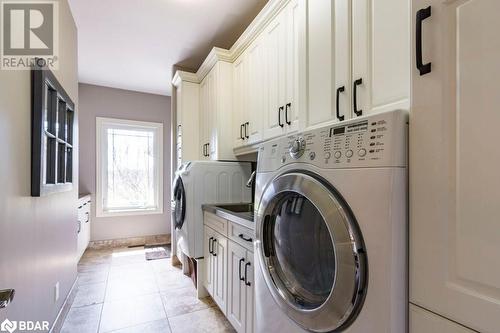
154,252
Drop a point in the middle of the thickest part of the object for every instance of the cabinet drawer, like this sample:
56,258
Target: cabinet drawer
216,223
241,235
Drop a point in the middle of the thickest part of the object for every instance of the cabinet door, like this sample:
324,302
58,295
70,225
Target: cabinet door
211,124
239,100
381,55
220,272
204,110
208,236
328,64
292,66
274,122
236,293
250,292
454,156
422,321
255,92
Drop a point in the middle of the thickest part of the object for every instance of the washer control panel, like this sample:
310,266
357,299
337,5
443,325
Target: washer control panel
369,141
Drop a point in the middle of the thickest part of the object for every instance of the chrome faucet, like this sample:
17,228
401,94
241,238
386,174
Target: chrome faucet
251,180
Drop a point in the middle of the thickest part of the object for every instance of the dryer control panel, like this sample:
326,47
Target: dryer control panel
378,140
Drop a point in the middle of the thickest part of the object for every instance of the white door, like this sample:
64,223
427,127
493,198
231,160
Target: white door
220,272
209,260
328,64
236,293
255,92
292,12
274,114
213,85
239,100
250,292
455,163
204,110
380,55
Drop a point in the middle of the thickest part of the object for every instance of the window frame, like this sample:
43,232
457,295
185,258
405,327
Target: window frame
102,122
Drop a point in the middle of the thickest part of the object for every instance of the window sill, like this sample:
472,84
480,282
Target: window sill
129,213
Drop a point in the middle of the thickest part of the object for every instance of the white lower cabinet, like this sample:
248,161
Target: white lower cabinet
229,275
83,230
216,267
240,310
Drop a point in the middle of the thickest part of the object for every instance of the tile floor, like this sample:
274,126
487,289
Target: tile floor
119,291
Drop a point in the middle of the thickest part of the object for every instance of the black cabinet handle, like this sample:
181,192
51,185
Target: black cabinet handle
246,274
241,132
279,116
246,130
213,251
79,227
204,151
242,260
355,97
88,217
288,107
244,238
422,14
339,90
210,245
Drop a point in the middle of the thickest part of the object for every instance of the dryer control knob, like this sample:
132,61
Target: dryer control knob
297,148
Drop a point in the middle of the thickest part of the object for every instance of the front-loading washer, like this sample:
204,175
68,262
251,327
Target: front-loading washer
331,226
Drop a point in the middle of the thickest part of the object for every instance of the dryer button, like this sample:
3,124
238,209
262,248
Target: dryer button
337,154
362,152
349,153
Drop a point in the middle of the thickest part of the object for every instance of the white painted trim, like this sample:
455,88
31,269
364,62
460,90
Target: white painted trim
100,122
270,10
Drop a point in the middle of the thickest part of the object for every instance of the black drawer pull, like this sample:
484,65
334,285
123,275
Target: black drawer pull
242,260
280,109
241,132
246,274
355,97
339,90
246,130
245,238
422,14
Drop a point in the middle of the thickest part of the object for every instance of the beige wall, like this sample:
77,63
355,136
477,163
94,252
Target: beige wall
37,235
97,101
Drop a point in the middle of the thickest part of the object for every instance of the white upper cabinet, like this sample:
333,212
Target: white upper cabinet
216,101
357,59
454,155
281,52
187,92
248,97
380,55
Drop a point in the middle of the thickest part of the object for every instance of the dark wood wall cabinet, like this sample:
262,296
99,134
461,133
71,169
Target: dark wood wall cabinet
52,117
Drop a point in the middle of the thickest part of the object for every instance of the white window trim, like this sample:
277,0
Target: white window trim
100,122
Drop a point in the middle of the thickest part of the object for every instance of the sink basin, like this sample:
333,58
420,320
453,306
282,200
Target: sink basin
237,208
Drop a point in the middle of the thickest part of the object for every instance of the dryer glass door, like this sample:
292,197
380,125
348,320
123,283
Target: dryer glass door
179,197
311,252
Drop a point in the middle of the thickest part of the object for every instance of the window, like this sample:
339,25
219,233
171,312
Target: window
129,167
52,135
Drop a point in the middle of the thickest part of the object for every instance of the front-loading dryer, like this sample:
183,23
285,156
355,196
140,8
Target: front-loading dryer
331,226
204,182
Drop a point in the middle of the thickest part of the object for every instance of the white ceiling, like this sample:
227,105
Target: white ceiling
134,44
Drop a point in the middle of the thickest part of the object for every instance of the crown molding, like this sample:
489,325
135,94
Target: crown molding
184,76
270,10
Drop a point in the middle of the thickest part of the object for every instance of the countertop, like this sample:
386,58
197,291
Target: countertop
245,219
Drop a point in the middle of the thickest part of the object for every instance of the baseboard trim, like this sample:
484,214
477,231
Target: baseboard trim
131,241
63,312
